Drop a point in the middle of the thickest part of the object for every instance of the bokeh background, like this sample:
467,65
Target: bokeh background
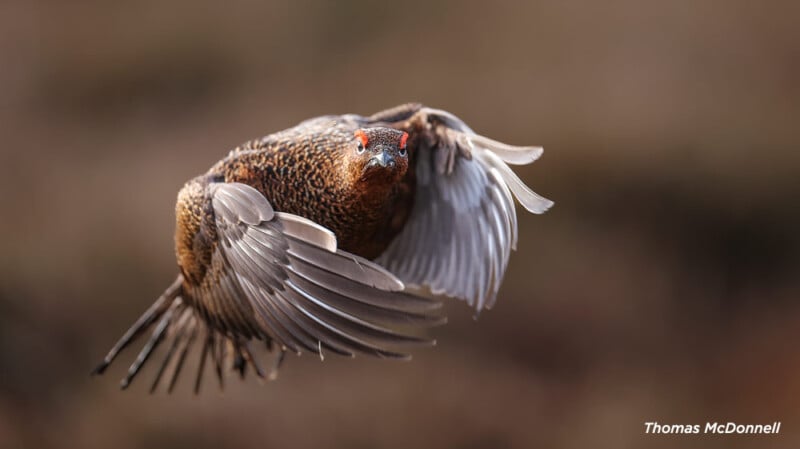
663,286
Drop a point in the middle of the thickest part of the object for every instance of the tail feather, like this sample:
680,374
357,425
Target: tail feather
175,319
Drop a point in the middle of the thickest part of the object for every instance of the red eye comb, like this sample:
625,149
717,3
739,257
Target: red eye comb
362,137
403,140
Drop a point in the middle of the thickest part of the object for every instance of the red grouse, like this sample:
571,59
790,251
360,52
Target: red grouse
336,235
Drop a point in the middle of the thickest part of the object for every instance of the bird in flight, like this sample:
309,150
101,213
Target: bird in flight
338,235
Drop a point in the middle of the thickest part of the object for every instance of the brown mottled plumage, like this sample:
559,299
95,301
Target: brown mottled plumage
328,235
316,172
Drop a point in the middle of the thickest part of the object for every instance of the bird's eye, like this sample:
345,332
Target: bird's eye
362,139
403,141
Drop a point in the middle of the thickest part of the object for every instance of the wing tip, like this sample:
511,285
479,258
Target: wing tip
527,155
538,207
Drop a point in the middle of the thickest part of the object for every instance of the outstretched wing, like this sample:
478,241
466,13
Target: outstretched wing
282,276
463,226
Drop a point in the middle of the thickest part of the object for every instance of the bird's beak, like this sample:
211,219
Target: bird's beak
382,158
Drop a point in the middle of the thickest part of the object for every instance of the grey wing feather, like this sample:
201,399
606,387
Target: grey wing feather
463,225
299,289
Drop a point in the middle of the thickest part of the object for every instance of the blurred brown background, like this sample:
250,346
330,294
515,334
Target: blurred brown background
662,286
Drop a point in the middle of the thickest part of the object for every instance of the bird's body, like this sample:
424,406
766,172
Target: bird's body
312,237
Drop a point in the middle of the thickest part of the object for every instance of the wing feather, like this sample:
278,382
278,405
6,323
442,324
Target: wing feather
281,276
463,225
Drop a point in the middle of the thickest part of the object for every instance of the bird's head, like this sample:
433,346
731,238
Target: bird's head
377,155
